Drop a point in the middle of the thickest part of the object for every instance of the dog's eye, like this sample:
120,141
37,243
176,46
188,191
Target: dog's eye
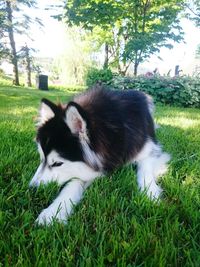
57,164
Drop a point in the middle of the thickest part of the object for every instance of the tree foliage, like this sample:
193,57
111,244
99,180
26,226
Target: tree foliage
192,10
197,54
134,29
71,66
26,58
102,76
3,49
14,20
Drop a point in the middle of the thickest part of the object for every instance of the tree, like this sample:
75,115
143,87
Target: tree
1,32
16,21
98,17
25,55
197,54
100,38
3,49
192,11
71,66
137,28
10,30
151,25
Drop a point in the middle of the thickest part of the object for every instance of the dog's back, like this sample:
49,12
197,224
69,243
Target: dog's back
120,123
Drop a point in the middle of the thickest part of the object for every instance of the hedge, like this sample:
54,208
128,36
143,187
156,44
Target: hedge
178,91
95,75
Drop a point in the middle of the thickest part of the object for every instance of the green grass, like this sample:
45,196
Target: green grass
115,224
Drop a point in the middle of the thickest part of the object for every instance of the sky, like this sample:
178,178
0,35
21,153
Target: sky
182,54
50,42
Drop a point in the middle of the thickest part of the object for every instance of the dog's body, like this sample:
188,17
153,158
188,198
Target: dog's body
96,133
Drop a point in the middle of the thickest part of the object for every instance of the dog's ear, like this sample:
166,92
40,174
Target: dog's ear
76,119
46,112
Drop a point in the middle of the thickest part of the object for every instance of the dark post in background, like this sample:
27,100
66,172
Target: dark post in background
42,82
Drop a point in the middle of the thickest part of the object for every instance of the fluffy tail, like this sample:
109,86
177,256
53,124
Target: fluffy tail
151,108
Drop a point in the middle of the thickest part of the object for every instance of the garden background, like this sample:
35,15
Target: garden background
113,43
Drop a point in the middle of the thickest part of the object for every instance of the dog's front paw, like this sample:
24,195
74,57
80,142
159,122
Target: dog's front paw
37,182
45,217
49,215
154,191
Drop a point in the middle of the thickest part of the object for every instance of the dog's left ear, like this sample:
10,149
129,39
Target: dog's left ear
76,119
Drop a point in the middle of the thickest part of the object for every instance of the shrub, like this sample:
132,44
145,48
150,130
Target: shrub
179,91
95,75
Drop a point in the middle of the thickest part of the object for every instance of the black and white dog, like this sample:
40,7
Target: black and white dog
97,132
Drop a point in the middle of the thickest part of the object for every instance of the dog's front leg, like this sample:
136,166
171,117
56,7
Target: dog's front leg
62,206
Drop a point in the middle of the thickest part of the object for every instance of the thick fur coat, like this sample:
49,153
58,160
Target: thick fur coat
97,132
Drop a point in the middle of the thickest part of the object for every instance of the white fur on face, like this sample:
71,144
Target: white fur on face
152,162
41,153
61,174
71,194
45,114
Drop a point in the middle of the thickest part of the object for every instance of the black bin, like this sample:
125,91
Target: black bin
42,82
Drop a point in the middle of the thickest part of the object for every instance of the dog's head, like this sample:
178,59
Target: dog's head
61,130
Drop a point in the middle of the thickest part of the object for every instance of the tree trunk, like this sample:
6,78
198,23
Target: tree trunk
105,65
135,68
136,63
125,68
28,66
12,43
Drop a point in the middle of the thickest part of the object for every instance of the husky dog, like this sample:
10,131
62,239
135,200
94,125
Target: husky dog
97,132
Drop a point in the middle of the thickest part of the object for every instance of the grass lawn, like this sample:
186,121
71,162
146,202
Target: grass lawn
115,224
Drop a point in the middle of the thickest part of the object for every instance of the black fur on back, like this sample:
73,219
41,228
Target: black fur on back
118,123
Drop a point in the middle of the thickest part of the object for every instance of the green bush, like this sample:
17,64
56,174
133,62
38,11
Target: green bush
95,75
67,88
178,91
